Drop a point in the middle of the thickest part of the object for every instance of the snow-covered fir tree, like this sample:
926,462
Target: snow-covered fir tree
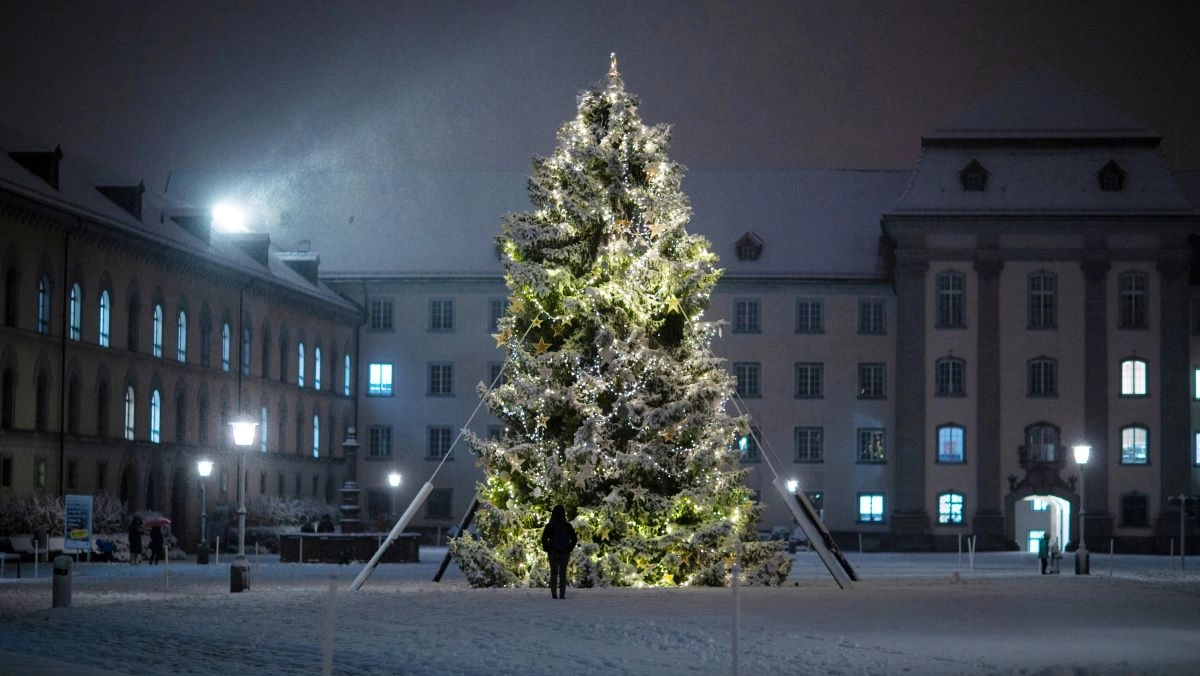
612,402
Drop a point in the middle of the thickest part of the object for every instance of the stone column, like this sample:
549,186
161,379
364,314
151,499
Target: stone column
350,521
1096,368
1174,442
989,508
910,451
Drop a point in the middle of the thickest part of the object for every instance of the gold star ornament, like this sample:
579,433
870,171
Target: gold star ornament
540,346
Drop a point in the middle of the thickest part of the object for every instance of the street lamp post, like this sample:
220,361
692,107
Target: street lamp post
204,467
394,482
1082,564
243,427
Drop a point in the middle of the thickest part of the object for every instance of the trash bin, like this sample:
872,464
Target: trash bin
239,576
61,592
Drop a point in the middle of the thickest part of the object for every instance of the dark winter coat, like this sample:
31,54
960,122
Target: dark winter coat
156,540
135,537
558,537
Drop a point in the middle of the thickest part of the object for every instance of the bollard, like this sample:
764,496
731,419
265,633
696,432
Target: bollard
239,575
61,592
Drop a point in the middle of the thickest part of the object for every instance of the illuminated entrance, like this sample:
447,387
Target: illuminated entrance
1038,514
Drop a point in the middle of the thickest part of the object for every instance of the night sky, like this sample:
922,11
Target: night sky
151,87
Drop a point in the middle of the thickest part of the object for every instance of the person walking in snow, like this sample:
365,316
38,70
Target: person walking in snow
157,553
1044,552
558,539
135,540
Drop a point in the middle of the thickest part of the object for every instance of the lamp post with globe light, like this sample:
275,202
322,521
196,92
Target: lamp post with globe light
1082,565
204,467
394,482
243,427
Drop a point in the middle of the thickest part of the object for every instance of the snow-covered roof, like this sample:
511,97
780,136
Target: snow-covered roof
77,193
813,222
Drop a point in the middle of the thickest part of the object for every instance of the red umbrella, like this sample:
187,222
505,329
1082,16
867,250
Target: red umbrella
159,521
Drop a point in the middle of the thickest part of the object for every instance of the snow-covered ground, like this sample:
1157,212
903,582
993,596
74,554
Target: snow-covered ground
910,614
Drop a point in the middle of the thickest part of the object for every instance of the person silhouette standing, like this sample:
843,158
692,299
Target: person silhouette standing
135,540
558,539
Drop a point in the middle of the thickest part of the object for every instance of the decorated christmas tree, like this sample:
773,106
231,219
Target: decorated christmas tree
613,404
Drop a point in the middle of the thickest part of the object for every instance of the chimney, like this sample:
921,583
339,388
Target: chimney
257,245
42,164
304,263
195,221
128,197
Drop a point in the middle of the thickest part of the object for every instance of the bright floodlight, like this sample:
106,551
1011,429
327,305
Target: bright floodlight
204,467
394,479
792,485
228,217
243,430
1082,452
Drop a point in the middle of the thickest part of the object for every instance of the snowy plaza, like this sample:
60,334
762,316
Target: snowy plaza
909,614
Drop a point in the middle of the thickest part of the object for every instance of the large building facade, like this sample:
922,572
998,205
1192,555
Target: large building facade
133,332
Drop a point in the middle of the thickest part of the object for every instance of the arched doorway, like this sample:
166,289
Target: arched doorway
1039,515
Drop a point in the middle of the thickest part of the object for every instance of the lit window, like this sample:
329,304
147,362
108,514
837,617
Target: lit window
809,380
316,368
155,417
951,300
1043,290
43,305
870,445
441,315
300,364
129,406
316,449
74,311
951,440
871,318
1135,445
1196,383
1043,380
871,381
181,338
346,376
748,446
949,378
747,378
379,380
809,444
105,317
263,430
1041,505
441,380
439,442
1196,448
809,316
225,347
870,507
1041,442
950,508
247,339
1133,378
1132,301
746,316
157,332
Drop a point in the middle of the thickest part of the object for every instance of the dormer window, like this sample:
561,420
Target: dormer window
749,247
1112,177
973,177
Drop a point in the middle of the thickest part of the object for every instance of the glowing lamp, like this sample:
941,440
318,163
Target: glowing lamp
228,217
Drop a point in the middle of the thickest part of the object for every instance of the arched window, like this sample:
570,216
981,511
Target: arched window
949,377
181,338
225,346
74,311
346,376
155,417
316,436
246,339
950,508
1041,442
951,443
1135,445
1133,377
300,364
316,368
1043,377
156,342
43,305
129,410
263,429
105,317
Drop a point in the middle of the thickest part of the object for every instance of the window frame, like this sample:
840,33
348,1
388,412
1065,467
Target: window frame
439,380
1041,383
181,336
75,312
1134,429
871,515
1132,379
950,308
804,453
810,316
872,317
155,416
1042,301
1133,300
953,381
864,454
381,315
879,389
747,315
813,379
104,329
379,442
380,386
446,435
157,319
943,458
441,315
747,373
950,512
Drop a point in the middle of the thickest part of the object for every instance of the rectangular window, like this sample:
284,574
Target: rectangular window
870,507
1043,289
1135,445
495,432
39,473
870,445
810,378
951,440
746,315
441,379
747,375
441,314
440,504
1196,383
1196,447
949,378
439,442
809,444
951,300
497,307
379,380
1133,378
379,441
810,315
870,381
1132,300
871,319
381,315
1135,510
1043,379
950,508
495,375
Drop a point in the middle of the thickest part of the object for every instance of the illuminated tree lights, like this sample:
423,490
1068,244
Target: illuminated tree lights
612,402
